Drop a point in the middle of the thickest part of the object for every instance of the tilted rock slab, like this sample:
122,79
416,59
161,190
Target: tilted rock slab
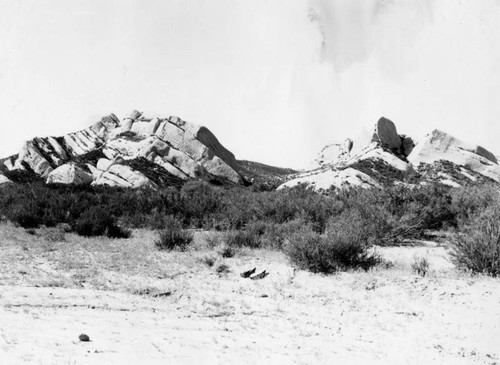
183,149
326,179
112,173
439,145
70,173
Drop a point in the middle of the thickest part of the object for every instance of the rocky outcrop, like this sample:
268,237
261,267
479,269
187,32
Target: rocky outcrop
70,173
327,179
440,146
389,158
181,149
112,173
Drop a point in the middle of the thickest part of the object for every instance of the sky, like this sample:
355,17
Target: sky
274,80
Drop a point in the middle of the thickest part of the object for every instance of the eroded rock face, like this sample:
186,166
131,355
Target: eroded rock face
439,145
388,155
327,179
70,173
112,173
182,149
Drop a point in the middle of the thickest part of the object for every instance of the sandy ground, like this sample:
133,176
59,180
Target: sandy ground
50,293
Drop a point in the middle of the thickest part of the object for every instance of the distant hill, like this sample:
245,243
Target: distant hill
259,173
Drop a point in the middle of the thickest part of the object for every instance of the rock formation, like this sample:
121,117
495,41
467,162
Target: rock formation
390,158
438,146
181,149
328,179
70,173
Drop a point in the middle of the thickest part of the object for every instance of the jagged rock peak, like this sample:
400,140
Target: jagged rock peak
169,146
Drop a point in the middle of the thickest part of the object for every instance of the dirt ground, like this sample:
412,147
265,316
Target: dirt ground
51,292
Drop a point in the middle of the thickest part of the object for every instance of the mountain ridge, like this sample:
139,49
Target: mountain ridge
148,151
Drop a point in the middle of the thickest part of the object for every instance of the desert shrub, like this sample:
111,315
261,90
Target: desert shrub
222,269
208,260
98,221
467,202
250,239
330,253
199,201
173,236
476,247
420,266
25,214
344,245
276,234
227,251
368,223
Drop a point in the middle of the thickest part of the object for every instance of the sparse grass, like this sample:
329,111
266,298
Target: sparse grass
208,260
222,269
420,266
227,251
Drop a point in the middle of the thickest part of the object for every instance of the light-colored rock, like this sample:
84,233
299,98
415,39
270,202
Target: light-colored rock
104,164
218,167
439,145
184,149
387,157
332,178
334,153
123,176
126,125
134,114
4,179
386,134
33,157
70,173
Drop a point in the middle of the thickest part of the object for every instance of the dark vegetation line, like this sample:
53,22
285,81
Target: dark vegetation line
319,232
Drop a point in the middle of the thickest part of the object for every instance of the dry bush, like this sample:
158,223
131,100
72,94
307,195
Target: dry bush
329,253
238,239
173,237
420,266
98,221
476,247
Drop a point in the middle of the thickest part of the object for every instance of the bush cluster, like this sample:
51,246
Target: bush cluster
336,227
173,236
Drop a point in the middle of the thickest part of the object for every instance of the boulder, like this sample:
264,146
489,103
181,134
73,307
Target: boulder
4,179
386,134
339,179
123,176
408,145
439,145
70,173
104,164
133,115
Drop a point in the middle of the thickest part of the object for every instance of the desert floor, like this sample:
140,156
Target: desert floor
51,292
